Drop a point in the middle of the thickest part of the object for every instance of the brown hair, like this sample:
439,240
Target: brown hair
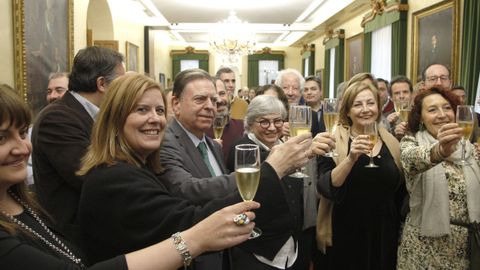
108,142
349,96
415,116
16,113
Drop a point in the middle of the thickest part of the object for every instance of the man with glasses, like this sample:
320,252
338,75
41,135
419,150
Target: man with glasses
437,75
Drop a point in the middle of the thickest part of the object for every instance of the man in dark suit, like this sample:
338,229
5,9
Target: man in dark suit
61,135
313,96
192,171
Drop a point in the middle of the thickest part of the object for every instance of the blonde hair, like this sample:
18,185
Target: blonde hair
349,96
108,142
359,77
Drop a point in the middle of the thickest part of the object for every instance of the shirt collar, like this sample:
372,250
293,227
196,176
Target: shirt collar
91,108
196,141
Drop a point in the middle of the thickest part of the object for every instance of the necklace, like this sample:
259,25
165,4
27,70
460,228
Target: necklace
63,249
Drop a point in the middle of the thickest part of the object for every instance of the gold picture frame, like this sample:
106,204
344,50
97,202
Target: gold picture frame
43,44
353,55
131,55
435,36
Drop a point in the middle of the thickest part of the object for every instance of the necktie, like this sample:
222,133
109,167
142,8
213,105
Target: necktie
202,148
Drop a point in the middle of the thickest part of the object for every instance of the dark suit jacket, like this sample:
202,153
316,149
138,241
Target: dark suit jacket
124,208
60,137
186,174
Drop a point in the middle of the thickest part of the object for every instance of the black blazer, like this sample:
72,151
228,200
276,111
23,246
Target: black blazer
124,208
277,231
60,137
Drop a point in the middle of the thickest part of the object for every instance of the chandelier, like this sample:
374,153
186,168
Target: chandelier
232,38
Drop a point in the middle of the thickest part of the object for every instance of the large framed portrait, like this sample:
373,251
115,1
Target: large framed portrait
131,57
354,55
434,38
43,45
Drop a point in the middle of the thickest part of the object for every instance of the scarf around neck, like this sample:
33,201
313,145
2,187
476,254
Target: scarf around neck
430,198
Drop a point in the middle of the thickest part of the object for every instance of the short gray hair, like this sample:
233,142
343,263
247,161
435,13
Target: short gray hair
288,71
263,105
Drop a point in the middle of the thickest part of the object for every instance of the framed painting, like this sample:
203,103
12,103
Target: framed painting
354,55
43,45
434,38
131,57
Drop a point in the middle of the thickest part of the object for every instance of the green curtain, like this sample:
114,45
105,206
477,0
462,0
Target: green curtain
470,59
326,73
338,72
398,20
252,71
339,63
303,65
253,66
177,58
399,46
310,57
367,52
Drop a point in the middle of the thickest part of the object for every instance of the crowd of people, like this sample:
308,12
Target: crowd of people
127,175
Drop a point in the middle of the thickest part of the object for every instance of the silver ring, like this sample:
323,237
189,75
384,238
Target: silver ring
241,219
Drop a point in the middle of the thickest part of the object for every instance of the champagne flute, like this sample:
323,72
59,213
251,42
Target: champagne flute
300,121
219,123
330,117
247,174
404,110
371,130
464,119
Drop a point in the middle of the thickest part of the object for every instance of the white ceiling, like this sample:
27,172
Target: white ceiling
275,22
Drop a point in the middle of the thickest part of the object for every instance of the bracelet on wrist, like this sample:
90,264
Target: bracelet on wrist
182,248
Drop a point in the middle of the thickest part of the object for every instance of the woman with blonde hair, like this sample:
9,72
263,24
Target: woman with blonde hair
359,219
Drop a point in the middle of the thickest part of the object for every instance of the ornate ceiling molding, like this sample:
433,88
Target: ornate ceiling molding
307,48
188,50
268,50
379,7
333,34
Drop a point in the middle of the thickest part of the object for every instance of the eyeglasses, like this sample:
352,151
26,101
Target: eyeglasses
278,123
435,78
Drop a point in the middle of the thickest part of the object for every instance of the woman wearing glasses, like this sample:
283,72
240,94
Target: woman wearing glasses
289,249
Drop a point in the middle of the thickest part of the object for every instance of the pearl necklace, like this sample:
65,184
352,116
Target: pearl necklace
63,249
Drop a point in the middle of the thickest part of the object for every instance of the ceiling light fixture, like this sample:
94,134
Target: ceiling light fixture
233,38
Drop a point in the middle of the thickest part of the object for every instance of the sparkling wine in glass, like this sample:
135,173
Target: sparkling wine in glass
405,109
300,121
464,120
247,174
371,130
330,117
219,123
